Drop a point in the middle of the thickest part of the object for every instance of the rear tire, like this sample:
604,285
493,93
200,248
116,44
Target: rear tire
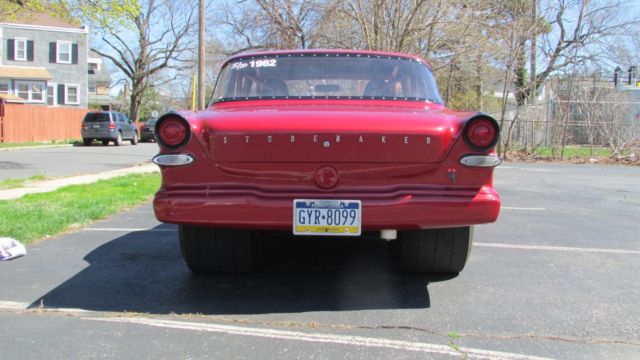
134,140
87,142
212,250
435,251
118,140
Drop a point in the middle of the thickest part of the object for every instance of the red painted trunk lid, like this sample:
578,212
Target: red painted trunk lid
330,133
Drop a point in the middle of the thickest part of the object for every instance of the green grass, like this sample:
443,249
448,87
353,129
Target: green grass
36,216
16,183
36,144
573,151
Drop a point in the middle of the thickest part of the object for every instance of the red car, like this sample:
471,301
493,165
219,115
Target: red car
326,142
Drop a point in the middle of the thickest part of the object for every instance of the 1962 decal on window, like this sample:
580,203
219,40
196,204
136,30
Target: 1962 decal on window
255,64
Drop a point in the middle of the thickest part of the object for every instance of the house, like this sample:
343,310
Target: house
99,83
44,60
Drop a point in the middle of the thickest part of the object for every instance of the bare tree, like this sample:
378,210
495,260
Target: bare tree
275,24
614,122
591,25
162,33
391,25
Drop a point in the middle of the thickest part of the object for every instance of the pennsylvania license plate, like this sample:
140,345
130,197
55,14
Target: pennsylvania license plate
327,217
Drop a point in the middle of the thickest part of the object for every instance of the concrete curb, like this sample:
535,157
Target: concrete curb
36,147
51,185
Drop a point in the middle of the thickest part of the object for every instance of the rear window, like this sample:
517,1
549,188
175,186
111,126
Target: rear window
326,76
96,117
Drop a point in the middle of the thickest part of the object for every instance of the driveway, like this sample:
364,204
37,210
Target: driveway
72,160
555,277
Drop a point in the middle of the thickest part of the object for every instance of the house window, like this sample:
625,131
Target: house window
20,50
93,68
31,91
23,90
51,94
64,52
4,88
37,92
92,87
72,94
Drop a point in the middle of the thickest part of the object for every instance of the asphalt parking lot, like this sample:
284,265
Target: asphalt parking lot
72,160
555,277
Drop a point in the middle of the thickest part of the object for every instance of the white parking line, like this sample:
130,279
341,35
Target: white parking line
13,305
521,208
480,244
557,248
129,229
470,353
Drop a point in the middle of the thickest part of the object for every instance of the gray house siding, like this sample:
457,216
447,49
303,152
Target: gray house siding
40,43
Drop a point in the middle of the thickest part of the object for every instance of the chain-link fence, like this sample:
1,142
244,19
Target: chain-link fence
591,113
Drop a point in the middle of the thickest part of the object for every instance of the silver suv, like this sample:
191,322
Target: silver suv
108,126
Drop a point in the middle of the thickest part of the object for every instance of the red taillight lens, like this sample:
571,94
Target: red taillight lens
172,132
112,125
481,133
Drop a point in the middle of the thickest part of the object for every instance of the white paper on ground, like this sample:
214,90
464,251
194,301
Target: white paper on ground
11,249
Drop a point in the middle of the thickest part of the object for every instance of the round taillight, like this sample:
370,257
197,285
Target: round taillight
172,132
481,133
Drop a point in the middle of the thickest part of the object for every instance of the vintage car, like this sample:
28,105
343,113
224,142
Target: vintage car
326,142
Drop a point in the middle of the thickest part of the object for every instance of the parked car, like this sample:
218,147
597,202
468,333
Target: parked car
106,126
326,142
147,130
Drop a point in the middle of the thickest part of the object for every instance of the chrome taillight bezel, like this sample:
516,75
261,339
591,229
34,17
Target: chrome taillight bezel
173,118
486,120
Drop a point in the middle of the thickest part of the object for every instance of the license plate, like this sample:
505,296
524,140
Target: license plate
327,217
96,126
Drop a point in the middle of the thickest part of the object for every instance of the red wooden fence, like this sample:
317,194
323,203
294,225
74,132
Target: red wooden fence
31,123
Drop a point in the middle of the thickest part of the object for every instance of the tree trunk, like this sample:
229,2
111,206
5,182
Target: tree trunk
478,86
137,89
521,78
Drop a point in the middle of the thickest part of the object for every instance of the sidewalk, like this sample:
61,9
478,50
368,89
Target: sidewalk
51,185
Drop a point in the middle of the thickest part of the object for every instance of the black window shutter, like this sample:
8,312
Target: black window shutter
74,53
29,50
60,93
11,43
52,52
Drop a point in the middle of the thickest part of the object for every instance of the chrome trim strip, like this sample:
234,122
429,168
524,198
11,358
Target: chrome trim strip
172,159
480,160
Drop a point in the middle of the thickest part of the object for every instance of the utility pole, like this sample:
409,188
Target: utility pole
534,35
201,53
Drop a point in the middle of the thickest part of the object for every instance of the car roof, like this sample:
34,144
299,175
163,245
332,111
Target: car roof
261,53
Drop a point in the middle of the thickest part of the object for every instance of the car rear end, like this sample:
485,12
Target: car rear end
99,126
338,164
147,130
421,174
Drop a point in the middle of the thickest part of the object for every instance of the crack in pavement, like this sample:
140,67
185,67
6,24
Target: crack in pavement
510,337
